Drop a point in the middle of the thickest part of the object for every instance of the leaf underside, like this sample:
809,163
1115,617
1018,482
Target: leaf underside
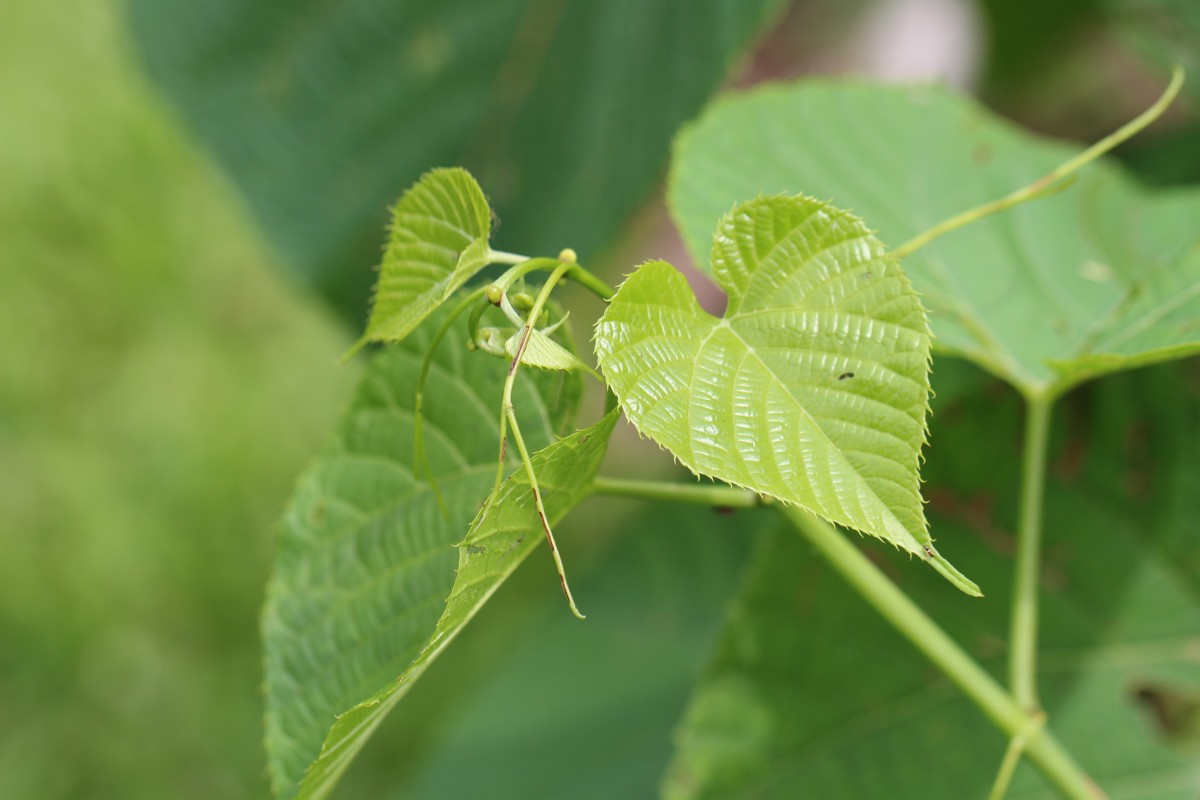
1102,277
812,388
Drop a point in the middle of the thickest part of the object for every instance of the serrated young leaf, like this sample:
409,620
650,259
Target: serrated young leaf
365,557
543,352
437,241
812,388
1102,277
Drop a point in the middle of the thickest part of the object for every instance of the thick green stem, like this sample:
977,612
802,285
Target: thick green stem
590,282
665,491
1022,665
1012,757
1042,749
898,609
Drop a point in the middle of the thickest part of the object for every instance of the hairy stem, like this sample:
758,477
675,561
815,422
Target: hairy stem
1022,664
1049,183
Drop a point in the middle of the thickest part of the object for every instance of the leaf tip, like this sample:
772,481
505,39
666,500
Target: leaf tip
947,571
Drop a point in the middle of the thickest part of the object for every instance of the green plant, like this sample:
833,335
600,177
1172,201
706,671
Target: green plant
809,394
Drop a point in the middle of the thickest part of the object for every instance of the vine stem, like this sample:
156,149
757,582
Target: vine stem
507,414
1050,183
1023,629
1041,747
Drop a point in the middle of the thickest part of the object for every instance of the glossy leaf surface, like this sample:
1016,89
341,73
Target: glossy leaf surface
812,388
1102,277
321,113
366,558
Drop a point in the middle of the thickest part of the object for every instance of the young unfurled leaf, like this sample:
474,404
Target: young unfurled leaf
438,240
813,387
542,351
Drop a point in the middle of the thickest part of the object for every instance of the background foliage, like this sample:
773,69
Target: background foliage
163,380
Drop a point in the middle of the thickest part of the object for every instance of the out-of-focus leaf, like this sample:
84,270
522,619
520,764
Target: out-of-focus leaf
593,703
499,540
365,559
812,388
322,113
810,693
438,240
1104,276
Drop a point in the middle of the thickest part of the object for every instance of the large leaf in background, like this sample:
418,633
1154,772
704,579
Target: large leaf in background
365,558
323,112
809,693
1104,276
592,704
498,541
813,386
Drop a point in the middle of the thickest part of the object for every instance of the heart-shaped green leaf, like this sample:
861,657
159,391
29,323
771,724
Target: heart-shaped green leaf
1101,277
437,241
812,388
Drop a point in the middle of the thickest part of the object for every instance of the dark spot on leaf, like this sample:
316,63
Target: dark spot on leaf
866,276
724,511
583,439
845,375
1174,710
472,549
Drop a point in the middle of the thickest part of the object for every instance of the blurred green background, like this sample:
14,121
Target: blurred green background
162,382
165,374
